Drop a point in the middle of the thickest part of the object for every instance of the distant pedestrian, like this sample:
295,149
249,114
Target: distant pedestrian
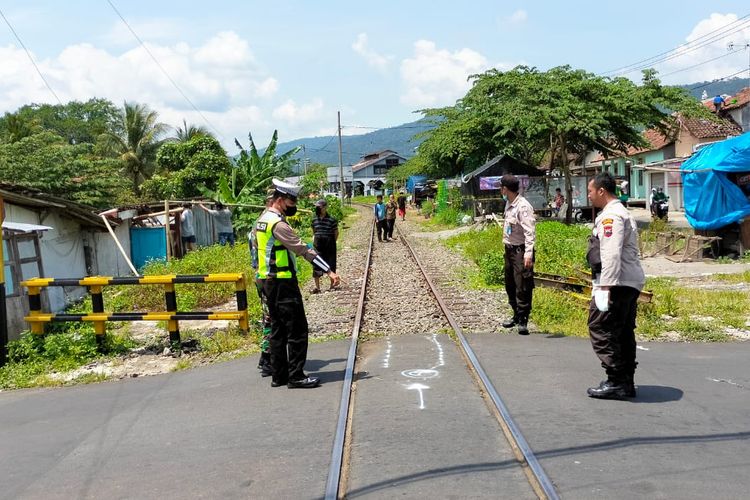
519,237
401,205
380,223
618,279
223,221
325,233
187,228
390,215
277,246
558,201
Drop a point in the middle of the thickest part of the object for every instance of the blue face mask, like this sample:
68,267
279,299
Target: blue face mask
505,197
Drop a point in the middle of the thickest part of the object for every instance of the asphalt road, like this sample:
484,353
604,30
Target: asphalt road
222,432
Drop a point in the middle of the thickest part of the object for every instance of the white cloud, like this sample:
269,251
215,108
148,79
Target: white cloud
374,59
722,62
435,77
518,17
221,77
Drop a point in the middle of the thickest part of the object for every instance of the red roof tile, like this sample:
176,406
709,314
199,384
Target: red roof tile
738,100
703,128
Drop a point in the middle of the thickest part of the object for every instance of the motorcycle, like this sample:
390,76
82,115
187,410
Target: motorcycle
660,209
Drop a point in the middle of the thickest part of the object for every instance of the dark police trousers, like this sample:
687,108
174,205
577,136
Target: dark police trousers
288,337
613,333
519,282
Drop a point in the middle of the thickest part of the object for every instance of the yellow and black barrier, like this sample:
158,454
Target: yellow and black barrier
37,319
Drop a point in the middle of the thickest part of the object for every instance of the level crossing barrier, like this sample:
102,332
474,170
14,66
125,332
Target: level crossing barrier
95,284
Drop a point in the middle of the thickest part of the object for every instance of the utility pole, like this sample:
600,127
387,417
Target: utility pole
341,161
304,158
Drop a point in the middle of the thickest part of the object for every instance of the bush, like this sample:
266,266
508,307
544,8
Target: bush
492,267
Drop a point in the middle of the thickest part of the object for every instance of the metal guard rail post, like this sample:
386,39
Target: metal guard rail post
95,284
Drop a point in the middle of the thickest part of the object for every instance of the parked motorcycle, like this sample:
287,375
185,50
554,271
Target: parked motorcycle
660,209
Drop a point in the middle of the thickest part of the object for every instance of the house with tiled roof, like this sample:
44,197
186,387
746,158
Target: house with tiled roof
657,165
369,172
737,108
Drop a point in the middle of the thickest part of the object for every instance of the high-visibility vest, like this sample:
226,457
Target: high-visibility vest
274,260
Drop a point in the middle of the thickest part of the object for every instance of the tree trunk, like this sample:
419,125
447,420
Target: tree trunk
568,181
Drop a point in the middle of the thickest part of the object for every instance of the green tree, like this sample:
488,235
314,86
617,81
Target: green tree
185,166
315,179
530,115
135,139
250,178
189,132
76,122
46,161
15,127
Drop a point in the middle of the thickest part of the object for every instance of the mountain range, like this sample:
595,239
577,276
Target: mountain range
402,140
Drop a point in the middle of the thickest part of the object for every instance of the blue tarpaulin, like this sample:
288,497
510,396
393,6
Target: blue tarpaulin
711,199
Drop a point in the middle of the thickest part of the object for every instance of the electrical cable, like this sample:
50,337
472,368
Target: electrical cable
702,63
649,61
28,54
221,136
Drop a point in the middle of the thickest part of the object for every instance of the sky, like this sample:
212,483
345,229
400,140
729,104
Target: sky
255,67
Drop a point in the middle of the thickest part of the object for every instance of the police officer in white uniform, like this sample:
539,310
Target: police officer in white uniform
519,235
618,280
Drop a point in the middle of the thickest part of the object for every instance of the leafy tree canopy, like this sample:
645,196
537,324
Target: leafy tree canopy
76,122
182,167
46,161
315,179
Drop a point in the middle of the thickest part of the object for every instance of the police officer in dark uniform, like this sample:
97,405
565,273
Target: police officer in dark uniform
519,235
277,246
618,280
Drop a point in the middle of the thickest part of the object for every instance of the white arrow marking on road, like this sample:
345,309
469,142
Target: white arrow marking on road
420,388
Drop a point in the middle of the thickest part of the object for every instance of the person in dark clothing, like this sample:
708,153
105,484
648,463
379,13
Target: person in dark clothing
325,233
380,223
390,216
401,200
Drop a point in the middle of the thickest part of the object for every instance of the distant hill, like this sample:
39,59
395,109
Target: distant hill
731,87
325,150
401,139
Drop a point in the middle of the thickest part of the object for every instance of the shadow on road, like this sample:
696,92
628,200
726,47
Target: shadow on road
657,394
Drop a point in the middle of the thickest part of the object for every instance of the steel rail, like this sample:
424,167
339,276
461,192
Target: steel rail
543,483
339,442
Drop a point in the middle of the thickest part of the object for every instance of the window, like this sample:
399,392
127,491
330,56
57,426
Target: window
641,160
391,162
22,260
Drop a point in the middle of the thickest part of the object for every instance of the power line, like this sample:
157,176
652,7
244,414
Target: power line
651,60
28,54
704,62
221,136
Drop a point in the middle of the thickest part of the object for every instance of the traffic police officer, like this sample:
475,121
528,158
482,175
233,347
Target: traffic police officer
519,235
618,280
277,246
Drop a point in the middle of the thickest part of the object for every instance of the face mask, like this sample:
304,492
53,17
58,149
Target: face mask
505,197
290,211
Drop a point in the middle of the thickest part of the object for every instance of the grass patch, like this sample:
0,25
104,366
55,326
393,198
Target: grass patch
734,278
694,314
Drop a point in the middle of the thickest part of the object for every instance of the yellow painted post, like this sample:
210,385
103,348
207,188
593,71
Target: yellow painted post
241,292
97,306
35,309
173,326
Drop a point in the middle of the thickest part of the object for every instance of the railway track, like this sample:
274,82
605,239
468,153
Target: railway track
436,311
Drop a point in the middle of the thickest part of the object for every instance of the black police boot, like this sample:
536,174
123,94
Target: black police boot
511,322
523,326
608,389
629,386
305,383
265,359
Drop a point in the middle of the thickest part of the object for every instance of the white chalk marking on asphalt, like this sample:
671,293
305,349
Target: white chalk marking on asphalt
387,358
441,358
420,388
422,373
726,382
642,348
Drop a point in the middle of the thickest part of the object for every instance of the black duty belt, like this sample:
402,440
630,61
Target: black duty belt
515,247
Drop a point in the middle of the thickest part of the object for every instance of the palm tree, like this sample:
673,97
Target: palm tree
187,132
17,127
137,137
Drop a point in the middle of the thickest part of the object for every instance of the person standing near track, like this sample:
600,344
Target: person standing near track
519,237
401,200
380,224
618,279
325,233
390,216
277,246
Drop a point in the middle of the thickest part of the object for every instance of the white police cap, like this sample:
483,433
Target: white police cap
286,188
